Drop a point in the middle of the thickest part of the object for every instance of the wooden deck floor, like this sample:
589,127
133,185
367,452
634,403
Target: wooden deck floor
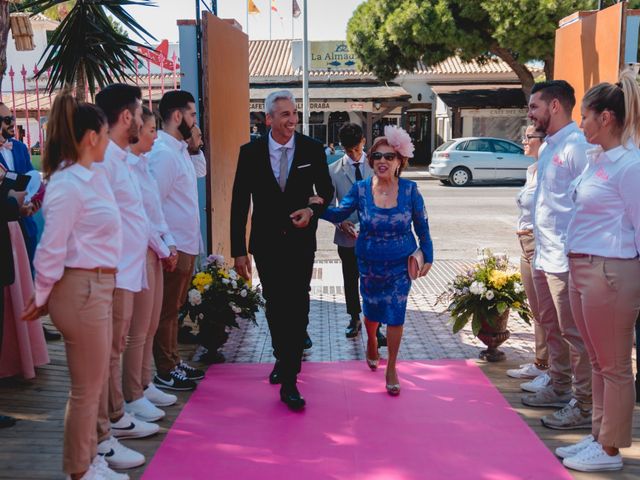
33,448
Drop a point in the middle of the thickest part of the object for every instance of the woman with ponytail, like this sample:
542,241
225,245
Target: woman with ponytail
75,271
603,243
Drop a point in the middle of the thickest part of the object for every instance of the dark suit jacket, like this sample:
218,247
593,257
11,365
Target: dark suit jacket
270,222
8,213
22,164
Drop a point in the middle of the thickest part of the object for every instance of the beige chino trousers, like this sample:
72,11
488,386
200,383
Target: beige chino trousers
605,298
80,307
137,356
528,245
569,363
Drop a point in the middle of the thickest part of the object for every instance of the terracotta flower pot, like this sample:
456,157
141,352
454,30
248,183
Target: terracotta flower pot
493,337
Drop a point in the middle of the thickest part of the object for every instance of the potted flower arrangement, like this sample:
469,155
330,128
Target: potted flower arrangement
218,298
485,295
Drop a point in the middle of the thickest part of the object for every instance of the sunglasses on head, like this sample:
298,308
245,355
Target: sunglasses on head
8,119
387,156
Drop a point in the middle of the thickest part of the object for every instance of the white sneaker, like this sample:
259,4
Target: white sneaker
593,459
130,427
571,450
92,474
537,384
143,409
101,465
118,456
527,370
158,397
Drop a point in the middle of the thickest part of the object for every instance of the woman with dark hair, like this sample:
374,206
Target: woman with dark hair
388,206
75,271
603,242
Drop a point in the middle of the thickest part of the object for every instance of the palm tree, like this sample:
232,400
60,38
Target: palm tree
86,49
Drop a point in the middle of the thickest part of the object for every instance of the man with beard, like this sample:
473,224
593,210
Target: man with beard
562,158
176,172
122,105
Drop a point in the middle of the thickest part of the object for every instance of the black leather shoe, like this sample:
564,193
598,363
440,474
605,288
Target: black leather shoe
307,342
291,396
354,327
274,376
50,336
382,340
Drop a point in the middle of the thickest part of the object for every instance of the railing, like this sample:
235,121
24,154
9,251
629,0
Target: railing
29,99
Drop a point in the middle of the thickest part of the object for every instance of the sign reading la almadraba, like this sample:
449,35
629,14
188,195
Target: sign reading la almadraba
331,56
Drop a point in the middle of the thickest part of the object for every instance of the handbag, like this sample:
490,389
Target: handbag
415,263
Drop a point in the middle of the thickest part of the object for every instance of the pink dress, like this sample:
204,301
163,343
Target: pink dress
23,343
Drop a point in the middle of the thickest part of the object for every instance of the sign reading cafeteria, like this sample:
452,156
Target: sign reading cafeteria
331,56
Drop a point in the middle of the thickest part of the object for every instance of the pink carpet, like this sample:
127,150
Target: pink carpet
449,423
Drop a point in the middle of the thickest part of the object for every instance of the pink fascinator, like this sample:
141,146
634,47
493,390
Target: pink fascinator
399,140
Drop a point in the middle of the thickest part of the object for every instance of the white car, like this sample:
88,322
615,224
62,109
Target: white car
460,161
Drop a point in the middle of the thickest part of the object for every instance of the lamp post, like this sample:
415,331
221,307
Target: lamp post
305,71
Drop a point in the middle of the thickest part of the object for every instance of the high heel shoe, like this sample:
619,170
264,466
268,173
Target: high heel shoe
393,389
373,363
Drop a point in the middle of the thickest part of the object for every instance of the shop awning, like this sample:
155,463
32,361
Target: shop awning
481,96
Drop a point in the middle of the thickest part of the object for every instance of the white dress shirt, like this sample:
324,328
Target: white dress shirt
82,227
175,172
199,164
606,216
8,157
275,152
524,200
562,158
135,224
160,238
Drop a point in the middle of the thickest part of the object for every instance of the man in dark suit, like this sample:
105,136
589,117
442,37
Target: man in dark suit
279,173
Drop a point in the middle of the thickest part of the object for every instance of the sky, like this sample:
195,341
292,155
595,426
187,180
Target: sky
327,18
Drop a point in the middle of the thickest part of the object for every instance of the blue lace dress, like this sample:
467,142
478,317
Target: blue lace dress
383,246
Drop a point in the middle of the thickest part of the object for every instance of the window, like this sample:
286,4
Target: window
506,147
478,146
444,146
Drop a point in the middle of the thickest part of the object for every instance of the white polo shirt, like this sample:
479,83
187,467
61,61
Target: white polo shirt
606,215
562,158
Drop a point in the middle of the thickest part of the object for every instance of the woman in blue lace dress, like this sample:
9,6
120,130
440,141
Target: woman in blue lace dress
388,206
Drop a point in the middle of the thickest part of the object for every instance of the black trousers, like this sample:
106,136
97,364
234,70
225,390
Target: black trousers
285,276
350,275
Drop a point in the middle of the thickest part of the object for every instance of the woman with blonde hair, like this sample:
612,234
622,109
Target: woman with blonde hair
75,271
388,206
603,243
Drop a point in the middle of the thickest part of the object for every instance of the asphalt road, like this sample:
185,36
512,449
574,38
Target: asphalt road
462,220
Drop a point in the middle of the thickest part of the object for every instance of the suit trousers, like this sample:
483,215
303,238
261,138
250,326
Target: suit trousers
80,306
569,363
605,299
350,275
527,244
285,276
176,286
137,357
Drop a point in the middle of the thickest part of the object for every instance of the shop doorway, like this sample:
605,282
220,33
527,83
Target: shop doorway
336,121
418,125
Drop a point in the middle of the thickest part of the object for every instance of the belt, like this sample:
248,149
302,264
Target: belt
99,270
578,255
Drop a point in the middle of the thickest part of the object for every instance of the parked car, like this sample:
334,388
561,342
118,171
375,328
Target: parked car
461,161
334,157
35,149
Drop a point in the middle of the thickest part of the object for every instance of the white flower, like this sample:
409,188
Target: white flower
465,290
233,275
226,281
194,297
490,295
234,284
477,288
517,287
207,287
243,293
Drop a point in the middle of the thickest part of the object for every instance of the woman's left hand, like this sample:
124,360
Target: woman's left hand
33,312
425,269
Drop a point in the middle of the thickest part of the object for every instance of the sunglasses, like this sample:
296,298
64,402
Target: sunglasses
529,137
387,156
8,119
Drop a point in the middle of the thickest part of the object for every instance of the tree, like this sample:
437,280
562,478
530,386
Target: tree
87,48
389,35
4,36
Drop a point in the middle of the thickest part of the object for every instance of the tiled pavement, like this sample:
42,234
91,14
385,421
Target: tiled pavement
427,333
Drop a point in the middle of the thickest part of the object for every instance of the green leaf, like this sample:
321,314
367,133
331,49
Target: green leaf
502,307
460,322
476,325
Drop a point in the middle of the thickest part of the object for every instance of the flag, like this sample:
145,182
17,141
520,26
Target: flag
252,8
295,9
273,6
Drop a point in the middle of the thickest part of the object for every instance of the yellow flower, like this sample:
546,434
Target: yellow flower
498,278
517,304
516,276
201,280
